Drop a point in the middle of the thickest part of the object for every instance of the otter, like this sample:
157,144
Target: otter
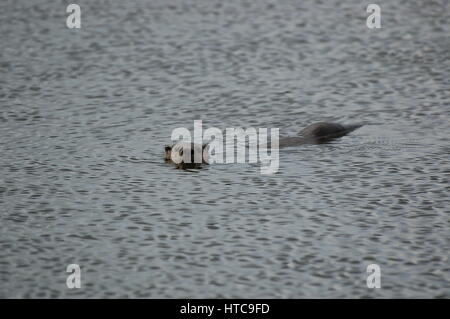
316,133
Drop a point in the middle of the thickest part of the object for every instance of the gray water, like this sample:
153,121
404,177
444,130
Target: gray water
85,115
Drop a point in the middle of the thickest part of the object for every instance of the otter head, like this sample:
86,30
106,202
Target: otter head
176,154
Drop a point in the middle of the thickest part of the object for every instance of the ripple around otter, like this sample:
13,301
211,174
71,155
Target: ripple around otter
85,115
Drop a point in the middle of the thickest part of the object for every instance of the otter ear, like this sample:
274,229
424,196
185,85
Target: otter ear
168,148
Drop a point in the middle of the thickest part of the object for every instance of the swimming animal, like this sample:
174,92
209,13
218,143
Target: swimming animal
316,133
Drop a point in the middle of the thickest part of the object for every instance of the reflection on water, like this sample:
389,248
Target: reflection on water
85,115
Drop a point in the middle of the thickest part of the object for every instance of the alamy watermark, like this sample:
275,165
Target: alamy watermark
374,278
74,279
374,20
73,21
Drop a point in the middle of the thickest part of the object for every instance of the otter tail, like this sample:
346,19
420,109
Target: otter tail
325,132
351,127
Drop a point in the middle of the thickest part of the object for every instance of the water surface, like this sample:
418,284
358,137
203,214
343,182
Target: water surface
85,115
